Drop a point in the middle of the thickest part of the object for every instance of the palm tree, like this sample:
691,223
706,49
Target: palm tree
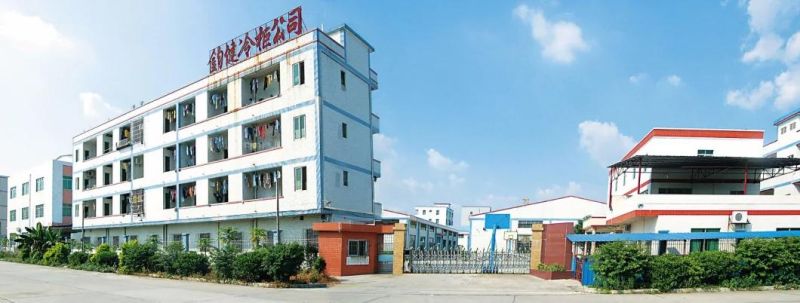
35,241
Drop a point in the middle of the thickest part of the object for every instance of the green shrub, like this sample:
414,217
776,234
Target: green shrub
551,267
715,266
284,261
165,260
190,263
318,264
222,261
770,261
103,255
250,266
77,258
56,255
137,257
670,272
619,265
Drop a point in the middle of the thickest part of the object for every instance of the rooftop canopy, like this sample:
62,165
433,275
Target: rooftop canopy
705,162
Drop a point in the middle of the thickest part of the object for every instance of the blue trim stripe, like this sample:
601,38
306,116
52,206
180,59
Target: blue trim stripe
203,220
346,114
347,165
680,236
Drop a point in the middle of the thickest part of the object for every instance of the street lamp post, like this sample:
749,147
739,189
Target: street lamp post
277,178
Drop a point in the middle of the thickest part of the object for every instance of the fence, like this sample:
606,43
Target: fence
673,243
466,262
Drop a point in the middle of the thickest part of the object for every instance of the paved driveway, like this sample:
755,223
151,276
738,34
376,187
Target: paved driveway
30,283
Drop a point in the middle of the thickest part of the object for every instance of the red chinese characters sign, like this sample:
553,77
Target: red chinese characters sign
257,40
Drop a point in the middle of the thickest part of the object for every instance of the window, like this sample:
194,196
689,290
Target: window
169,158
108,171
793,126
26,188
437,212
115,241
25,213
125,203
357,253
186,114
437,221
13,192
262,184
77,211
138,167
423,211
300,127
705,152
344,130
132,238
66,210
188,194
527,223
188,155
77,152
264,134
170,119
170,197
343,79
298,73
107,138
218,190
704,244
39,211
124,170
107,202
12,215
40,184
66,182
675,191
124,137
300,178
783,130
345,178
218,146
77,183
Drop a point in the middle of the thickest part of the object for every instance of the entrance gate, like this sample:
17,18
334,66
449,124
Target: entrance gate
434,261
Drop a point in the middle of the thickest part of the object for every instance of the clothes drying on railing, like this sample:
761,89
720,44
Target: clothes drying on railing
253,88
261,179
271,77
218,100
219,189
216,144
256,135
170,116
190,152
188,192
188,109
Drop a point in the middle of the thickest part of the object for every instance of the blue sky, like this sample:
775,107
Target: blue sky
481,102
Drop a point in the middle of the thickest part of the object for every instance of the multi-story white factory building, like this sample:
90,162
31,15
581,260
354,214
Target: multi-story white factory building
439,213
41,194
289,127
786,144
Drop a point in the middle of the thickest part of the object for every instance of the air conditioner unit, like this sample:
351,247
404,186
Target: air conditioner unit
510,235
739,217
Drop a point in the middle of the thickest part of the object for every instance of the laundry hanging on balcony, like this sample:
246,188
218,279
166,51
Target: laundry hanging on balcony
253,89
218,100
188,109
170,116
262,179
188,192
219,190
271,77
217,144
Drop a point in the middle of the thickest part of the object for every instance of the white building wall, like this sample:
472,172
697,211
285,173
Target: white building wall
786,145
468,211
51,196
567,209
320,151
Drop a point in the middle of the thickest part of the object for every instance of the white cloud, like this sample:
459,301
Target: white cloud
384,146
554,191
637,78
439,162
768,47
603,141
674,80
30,33
792,51
559,40
787,87
415,186
752,99
455,179
767,16
95,108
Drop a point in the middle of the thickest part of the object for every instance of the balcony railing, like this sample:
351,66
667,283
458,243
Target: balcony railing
376,168
373,79
376,123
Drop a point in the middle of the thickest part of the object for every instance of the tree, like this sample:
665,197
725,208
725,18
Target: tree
34,242
257,235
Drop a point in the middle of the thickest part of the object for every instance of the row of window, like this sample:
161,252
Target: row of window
262,184
184,113
792,126
38,212
12,193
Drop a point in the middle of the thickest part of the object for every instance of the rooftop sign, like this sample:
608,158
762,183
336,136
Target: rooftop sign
256,41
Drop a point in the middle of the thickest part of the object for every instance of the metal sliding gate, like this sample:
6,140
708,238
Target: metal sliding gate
468,262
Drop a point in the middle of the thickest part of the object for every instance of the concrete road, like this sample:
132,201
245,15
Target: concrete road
30,283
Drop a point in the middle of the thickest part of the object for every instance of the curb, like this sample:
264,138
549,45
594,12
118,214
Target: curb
592,290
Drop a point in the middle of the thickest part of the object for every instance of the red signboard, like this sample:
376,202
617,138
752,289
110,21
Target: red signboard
257,40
